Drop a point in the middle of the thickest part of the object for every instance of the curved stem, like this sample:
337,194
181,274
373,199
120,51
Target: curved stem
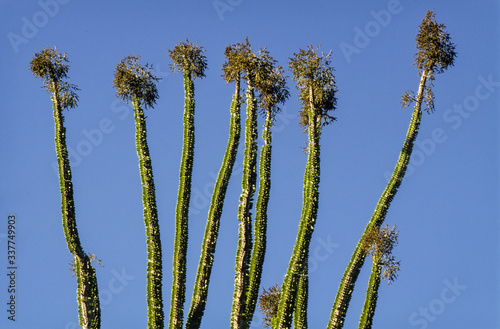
244,215
200,292
87,291
154,267
297,267
351,273
182,209
366,319
260,227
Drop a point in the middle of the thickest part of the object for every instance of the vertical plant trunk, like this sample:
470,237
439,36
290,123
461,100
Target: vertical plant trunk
301,302
366,319
182,209
87,290
244,215
154,266
200,292
297,267
351,273
260,226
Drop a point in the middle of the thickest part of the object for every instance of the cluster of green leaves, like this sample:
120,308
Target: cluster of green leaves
270,83
315,81
435,53
52,67
379,242
135,82
188,57
239,61
268,303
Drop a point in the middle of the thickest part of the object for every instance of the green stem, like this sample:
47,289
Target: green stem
87,290
351,273
244,215
260,227
154,255
182,209
297,267
300,312
200,292
366,319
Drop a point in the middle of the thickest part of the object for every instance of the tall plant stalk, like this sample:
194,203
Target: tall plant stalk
52,68
137,84
269,83
316,83
188,59
232,73
249,179
435,54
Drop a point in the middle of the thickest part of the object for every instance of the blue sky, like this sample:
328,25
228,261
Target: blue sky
446,210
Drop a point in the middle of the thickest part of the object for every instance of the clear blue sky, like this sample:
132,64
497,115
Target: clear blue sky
446,210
